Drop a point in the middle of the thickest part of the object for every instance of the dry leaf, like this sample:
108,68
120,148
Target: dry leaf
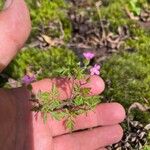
138,106
51,42
130,14
147,127
48,40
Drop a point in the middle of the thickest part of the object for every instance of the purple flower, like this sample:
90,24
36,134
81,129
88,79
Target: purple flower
28,79
88,55
95,70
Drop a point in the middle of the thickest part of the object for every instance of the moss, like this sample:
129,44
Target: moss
129,77
147,146
128,74
1,2
50,61
142,116
115,12
44,12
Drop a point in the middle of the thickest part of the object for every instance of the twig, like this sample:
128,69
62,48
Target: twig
130,15
61,29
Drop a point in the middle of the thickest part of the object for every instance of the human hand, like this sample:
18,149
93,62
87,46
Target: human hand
21,129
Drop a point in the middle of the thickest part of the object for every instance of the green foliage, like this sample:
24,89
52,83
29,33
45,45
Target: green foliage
147,146
44,12
76,71
49,63
128,74
114,13
47,10
77,104
81,97
49,102
134,7
143,117
70,123
129,78
1,4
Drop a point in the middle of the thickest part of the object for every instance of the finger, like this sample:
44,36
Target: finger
104,114
15,27
42,139
65,86
34,133
90,139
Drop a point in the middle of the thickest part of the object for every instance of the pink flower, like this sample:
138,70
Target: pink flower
88,55
28,79
95,70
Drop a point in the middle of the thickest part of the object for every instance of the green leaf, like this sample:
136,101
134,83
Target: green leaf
146,147
79,100
58,115
69,123
85,91
55,104
44,117
136,9
43,96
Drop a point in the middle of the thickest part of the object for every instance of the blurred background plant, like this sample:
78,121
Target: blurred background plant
135,7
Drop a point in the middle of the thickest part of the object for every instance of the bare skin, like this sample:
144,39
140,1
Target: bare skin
21,129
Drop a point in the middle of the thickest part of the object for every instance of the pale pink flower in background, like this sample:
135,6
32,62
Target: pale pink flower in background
28,79
88,55
95,70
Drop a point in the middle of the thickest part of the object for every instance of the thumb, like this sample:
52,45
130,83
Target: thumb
15,26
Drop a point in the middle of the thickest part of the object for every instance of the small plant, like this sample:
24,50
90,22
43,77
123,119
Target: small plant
146,148
79,101
134,7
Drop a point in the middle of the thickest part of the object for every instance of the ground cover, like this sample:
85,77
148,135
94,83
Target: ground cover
117,31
